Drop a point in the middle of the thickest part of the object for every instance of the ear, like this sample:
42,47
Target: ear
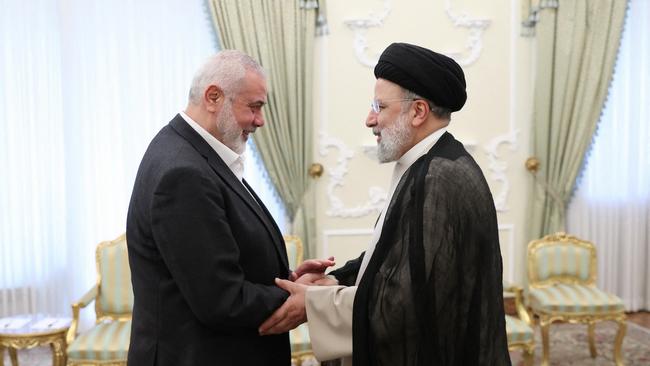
422,112
213,98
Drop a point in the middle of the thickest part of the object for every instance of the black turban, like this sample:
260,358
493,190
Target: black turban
430,75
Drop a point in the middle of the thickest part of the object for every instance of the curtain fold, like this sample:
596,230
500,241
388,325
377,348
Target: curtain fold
280,34
577,43
84,86
611,206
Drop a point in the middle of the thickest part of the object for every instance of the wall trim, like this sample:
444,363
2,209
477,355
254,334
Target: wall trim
468,56
336,208
341,232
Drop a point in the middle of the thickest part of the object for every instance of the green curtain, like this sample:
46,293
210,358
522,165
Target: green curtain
280,34
577,44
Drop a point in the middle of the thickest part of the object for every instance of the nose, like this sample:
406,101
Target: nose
258,120
371,120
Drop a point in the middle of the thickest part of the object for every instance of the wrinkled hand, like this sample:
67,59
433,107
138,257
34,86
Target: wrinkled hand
312,266
291,314
317,279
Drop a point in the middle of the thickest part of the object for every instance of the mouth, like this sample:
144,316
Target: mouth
377,133
246,133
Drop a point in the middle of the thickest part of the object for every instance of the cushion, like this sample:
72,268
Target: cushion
567,298
562,259
105,341
518,331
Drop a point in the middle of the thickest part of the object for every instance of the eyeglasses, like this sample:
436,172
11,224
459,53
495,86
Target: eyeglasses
374,105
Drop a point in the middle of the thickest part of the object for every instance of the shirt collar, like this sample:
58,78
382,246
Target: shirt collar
420,148
233,160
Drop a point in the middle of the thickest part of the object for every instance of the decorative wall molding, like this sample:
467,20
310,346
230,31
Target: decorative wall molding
376,195
474,44
359,26
497,166
342,232
466,57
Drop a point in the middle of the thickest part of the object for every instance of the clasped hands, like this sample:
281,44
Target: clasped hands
292,313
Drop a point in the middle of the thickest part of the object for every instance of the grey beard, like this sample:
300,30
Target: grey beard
393,139
231,132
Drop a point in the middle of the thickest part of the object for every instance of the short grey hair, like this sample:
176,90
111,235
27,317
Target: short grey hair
226,69
440,112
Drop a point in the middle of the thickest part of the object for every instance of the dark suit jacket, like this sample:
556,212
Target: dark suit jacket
203,256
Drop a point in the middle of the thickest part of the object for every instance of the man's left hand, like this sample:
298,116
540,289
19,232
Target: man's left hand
312,266
291,314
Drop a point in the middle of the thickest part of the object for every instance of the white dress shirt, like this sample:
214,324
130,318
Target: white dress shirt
234,161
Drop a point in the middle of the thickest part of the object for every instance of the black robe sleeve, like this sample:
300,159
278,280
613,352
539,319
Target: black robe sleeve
347,275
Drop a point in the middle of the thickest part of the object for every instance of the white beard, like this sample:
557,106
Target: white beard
230,130
393,138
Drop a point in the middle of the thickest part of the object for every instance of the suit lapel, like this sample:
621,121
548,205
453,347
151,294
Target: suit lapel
219,167
267,218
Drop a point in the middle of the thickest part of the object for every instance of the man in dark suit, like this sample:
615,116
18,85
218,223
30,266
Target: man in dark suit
203,249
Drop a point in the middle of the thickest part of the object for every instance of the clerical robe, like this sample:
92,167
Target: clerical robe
432,290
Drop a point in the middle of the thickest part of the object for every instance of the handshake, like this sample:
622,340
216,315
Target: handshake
292,313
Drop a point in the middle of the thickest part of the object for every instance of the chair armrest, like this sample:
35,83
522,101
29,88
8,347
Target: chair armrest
519,302
81,303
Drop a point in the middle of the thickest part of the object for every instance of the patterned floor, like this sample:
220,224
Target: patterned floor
569,346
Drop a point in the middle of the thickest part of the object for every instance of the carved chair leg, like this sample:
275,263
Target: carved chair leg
592,339
58,352
545,325
618,342
14,356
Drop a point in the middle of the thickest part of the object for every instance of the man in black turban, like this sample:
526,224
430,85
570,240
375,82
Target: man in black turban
428,290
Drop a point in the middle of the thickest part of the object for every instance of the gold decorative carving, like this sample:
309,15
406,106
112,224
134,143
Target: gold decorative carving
17,341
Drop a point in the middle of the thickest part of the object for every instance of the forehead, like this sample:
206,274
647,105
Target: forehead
387,89
253,87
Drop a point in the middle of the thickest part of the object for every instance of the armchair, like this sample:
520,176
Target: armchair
562,280
107,342
520,333
299,337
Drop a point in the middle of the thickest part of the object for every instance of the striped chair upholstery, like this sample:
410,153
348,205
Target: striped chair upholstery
115,295
574,299
558,260
562,280
519,329
107,343
299,337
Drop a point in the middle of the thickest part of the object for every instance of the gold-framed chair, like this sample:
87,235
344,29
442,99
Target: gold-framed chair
519,329
107,342
562,282
299,337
